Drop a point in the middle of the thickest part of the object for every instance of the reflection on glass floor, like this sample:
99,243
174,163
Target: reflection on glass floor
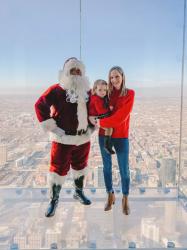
153,224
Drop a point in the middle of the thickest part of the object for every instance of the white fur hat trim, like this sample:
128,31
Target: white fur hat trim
73,63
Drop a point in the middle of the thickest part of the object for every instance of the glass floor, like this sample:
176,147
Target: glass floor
155,222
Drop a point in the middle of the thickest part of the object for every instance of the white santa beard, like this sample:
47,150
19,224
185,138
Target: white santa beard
77,88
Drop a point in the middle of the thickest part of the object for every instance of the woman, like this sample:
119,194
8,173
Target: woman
121,99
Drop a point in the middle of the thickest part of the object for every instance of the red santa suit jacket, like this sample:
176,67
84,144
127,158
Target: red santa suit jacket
120,118
64,118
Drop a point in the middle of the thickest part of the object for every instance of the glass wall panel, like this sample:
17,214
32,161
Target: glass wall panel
183,172
36,38
147,44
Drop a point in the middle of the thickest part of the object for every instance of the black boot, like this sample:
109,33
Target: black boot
54,200
79,194
108,145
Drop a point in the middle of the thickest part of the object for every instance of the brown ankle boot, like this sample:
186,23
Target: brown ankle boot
125,205
110,202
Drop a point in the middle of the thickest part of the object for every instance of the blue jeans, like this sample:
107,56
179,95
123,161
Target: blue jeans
121,146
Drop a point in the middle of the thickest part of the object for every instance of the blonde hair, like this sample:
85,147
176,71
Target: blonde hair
123,88
97,83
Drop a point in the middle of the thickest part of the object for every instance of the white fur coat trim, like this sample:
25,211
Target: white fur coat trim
54,178
82,115
79,173
71,139
48,125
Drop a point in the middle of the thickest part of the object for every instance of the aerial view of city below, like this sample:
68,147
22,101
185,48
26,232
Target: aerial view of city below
154,171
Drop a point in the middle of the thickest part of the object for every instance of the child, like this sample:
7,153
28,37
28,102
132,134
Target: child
99,108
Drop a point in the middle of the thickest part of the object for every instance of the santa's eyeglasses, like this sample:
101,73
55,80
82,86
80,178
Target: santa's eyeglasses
75,71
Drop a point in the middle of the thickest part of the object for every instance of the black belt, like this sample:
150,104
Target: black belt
75,132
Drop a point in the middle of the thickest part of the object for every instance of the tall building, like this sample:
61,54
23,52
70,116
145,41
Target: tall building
170,209
150,229
34,241
3,154
20,240
98,177
52,236
21,161
168,172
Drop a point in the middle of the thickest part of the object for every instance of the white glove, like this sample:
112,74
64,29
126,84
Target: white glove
58,131
51,126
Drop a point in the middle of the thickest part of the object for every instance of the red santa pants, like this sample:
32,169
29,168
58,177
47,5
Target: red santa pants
63,155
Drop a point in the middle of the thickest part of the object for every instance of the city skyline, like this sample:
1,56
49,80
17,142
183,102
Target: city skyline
153,135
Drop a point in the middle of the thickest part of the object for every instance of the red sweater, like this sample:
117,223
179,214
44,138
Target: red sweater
96,106
120,118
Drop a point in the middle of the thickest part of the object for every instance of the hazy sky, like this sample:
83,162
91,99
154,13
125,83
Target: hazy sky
142,36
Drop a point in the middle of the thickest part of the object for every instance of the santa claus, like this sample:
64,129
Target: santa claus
62,111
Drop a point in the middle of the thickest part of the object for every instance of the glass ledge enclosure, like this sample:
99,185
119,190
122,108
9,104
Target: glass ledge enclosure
147,38
152,224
